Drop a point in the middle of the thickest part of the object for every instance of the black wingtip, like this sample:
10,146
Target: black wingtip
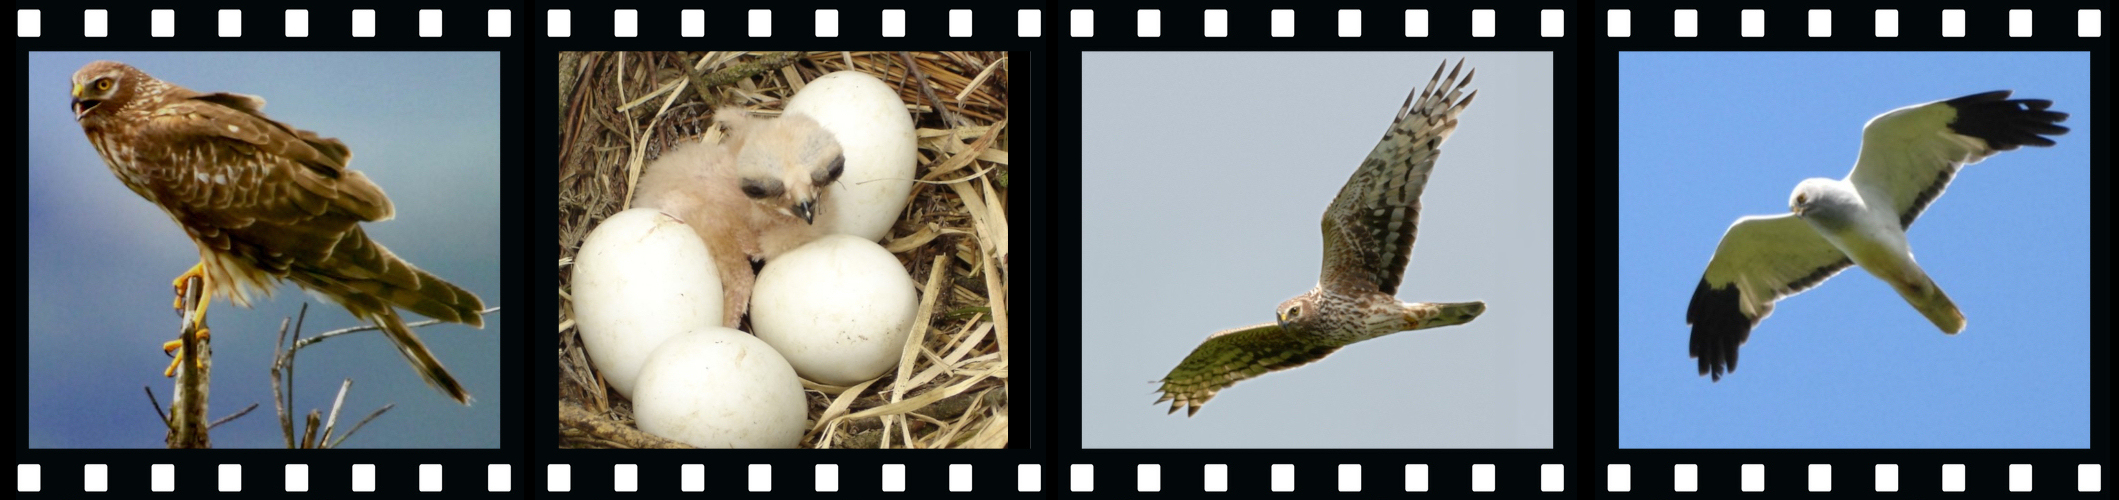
1719,327
2004,123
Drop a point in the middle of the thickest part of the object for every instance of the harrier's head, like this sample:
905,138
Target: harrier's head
1818,197
101,87
785,163
1298,312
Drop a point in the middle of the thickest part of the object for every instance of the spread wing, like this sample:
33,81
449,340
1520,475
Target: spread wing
1369,227
1231,356
1909,154
1760,260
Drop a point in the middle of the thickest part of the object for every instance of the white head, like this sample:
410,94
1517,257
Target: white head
1825,203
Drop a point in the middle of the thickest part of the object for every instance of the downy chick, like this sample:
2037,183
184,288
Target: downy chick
783,165
754,195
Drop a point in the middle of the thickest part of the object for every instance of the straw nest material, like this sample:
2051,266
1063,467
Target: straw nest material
621,110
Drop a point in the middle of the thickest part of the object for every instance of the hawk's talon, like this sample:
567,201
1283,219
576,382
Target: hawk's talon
197,271
172,347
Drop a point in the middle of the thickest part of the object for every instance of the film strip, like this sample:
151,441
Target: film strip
980,86
1185,115
425,97
1675,83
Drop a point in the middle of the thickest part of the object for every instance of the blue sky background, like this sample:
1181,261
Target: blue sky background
1705,138
424,126
1202,192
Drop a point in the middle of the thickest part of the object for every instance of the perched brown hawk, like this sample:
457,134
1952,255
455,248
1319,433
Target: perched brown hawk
1368,239
263,202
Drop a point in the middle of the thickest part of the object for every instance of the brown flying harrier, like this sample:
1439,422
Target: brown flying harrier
263,201
1368,239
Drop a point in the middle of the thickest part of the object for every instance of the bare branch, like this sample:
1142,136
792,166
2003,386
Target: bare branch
342,331
194,369
337,403
158,405
309,432
238,414
364,422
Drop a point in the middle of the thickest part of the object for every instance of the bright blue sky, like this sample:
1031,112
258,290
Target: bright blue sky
1705,138
424,126
1201,199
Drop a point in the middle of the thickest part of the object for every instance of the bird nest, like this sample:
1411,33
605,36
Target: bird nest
621,110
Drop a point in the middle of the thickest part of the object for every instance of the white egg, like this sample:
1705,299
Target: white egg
719,388
838,308
875,131
641,277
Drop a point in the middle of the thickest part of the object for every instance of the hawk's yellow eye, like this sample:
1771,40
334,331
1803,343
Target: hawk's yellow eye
1293,311
103,84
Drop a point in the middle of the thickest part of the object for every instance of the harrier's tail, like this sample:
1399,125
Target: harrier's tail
416,353
1927,298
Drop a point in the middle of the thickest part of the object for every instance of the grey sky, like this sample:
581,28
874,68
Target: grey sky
1204,179
424,126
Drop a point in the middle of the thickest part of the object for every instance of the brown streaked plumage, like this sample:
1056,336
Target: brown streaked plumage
263,202
1368,240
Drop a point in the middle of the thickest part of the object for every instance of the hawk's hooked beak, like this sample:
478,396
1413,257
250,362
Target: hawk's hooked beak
807,210
80,109
1281,318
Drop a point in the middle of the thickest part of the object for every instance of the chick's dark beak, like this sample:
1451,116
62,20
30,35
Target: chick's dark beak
807,210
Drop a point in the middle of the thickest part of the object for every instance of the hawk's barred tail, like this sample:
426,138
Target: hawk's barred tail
1458,313
400,284
437,299
416,353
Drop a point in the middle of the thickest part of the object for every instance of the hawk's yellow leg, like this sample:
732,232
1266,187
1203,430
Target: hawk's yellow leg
198,320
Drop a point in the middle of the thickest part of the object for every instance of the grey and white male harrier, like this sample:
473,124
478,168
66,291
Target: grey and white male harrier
1907,158
1368,239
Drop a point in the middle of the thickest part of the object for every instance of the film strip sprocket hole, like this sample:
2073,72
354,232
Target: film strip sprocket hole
1818,23
1159,80
294,478
759,23
825,478
1883,478
329,73
230,23
1348,23
1342,478
1830,362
